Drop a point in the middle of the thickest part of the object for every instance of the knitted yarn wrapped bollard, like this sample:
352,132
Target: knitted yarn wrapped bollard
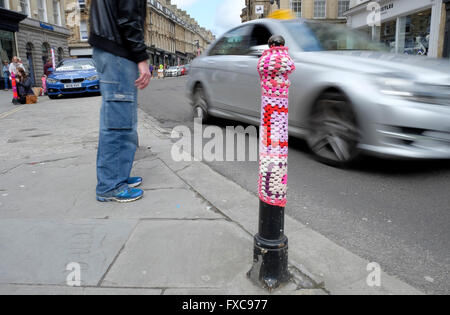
274,69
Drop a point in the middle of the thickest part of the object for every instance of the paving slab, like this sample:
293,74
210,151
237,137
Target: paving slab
157,175
39,251
157,204
61,290
182,254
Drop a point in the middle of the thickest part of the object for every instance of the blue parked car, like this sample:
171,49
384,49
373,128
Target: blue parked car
73,76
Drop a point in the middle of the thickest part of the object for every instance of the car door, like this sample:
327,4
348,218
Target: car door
223,61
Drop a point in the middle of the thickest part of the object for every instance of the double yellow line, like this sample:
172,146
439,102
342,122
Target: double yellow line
15,110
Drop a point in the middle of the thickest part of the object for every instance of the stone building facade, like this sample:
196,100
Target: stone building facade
413,27
323,10
42,29
171,35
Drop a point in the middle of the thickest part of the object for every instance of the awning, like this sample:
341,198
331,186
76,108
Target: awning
9,20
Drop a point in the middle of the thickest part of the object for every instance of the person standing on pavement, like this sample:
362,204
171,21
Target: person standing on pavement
14,66
6,74
117,35
48,65
151,70
161,72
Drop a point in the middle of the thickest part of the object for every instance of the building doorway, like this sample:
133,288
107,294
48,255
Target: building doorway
30,48
45,53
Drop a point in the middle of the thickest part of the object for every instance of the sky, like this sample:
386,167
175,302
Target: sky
216,15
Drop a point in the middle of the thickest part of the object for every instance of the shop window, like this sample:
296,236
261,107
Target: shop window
388,30
415,35
7,46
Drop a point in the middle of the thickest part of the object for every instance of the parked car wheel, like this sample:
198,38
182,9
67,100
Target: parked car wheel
334,132
200,105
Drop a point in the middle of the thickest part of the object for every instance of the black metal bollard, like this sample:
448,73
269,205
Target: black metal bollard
270,268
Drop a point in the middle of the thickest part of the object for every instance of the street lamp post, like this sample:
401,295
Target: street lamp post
270,268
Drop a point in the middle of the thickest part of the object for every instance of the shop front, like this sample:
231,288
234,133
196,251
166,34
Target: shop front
409,27
9,25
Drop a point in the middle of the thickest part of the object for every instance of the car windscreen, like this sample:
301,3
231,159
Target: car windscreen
329,37
74,65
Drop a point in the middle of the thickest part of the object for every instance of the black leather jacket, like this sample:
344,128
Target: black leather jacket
117,26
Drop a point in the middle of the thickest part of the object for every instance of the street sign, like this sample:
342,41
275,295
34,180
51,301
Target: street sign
259,9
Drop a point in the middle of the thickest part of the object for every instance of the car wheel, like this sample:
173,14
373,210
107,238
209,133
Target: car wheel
200,105
334,133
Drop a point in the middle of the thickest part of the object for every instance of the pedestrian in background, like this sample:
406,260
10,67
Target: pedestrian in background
48,65
151,70
14,66
120,54
6,74
161,72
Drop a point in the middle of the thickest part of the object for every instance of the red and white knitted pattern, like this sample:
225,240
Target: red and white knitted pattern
274,68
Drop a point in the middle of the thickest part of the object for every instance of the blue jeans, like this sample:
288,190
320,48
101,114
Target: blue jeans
6,79
118,139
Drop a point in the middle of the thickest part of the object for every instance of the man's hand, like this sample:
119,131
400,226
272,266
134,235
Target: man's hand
144,78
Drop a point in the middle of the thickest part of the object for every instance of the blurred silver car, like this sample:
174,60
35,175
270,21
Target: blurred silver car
348,95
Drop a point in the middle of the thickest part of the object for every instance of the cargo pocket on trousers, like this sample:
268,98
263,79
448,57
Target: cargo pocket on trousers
119,111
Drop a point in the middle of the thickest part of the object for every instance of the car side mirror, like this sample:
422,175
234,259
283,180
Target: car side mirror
257,51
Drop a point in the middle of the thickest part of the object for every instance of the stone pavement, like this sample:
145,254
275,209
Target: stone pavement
191,234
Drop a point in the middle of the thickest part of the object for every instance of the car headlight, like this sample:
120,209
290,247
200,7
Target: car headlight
396,86
52,81
93,78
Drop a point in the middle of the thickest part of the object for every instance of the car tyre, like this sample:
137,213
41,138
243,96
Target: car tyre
200,105
334,132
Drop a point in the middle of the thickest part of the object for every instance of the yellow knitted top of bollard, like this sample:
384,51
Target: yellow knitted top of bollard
282,15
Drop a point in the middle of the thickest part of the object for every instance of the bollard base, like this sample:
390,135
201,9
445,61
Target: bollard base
270,263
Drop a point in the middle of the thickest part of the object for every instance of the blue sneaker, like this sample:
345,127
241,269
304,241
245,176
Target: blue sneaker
134,182
127,195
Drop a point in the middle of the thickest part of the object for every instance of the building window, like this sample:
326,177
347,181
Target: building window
343,5
84,36
42,10
320,9
57,12
82,4
4,4
296,7
25,7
